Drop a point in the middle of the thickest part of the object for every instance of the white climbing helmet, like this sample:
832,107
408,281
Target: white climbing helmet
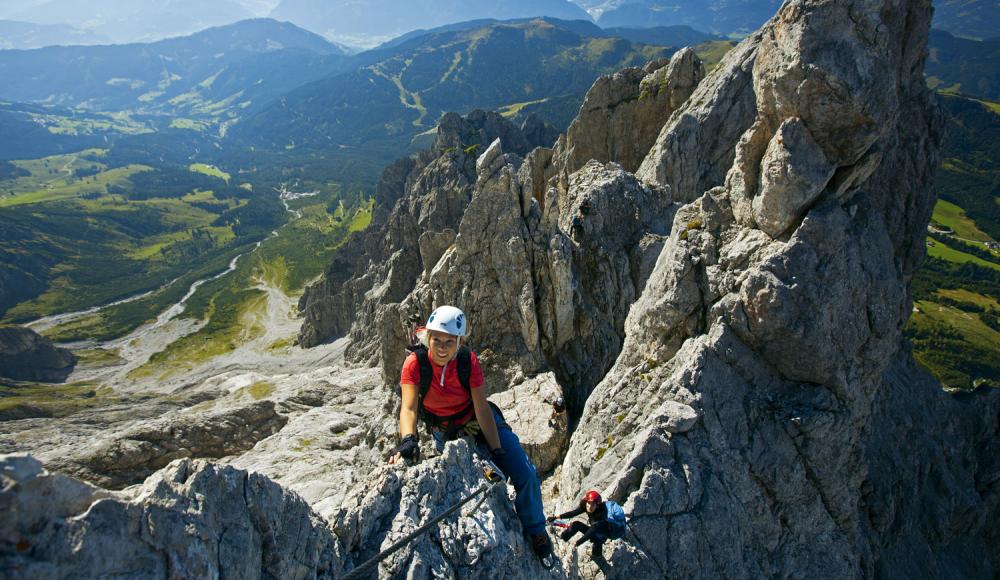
449,320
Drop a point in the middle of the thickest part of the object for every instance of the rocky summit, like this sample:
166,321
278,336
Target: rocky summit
712,271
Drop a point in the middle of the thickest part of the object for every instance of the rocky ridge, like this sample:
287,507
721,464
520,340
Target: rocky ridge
725,324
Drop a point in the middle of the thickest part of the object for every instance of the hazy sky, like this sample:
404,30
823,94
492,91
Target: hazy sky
134,20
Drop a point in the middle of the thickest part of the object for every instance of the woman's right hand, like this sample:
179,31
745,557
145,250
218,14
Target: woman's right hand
408,448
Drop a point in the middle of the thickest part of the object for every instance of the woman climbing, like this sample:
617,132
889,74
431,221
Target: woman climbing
442,384
606,520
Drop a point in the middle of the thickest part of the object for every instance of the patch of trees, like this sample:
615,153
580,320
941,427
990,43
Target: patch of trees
10,171
167,183
258,218
962,245
201,242
940,274
86,171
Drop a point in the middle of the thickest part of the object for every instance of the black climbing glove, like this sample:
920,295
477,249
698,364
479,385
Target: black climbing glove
409,448
550,519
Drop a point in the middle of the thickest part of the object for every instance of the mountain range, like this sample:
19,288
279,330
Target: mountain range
365,23
970,18
719,17
358,22
235,66
398,92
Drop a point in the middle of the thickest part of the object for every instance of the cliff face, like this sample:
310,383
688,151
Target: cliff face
725,324
773,318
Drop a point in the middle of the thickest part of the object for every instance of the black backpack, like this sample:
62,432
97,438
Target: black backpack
464,361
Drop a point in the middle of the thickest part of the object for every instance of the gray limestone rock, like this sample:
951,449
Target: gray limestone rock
623,112
26,355
793,174
530,410
485,543
129,457
190,520
694,149
416,196
757,422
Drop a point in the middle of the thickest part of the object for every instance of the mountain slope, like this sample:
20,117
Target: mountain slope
720,17
231,67
403,91
676,36
970,67
358,22
969,18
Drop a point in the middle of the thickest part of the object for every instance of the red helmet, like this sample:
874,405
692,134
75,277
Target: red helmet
592,496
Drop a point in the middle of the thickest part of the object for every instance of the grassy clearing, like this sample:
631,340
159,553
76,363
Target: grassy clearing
993,106
711,53
362,218
260,390
210,170
952,341
515,108
90,124
962,295
967,323
190,124
233,320
61,400
943,252
954,217
282,344
72,188
98,358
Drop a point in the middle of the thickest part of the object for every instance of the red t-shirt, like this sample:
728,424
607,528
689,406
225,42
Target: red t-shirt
451,397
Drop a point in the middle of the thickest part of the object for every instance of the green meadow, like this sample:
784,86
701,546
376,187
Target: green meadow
231,308
83,234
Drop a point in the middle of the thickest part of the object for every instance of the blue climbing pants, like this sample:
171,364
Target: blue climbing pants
517,466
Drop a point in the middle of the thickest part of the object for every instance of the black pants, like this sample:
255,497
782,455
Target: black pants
576,527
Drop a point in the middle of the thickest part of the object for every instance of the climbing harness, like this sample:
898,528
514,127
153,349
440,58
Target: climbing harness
493,478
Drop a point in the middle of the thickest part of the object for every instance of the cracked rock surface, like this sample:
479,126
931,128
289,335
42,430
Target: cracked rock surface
192,519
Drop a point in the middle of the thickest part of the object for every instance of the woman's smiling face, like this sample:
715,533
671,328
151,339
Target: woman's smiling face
442,347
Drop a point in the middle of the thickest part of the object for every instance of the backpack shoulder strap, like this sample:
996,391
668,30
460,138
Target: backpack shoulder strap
426,373
464,368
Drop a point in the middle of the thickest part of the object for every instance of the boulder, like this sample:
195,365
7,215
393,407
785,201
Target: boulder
26,355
